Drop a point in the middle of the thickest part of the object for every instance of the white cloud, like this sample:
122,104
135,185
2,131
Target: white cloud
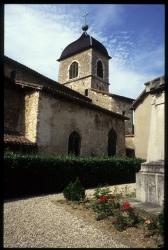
34,39
127,82
35,35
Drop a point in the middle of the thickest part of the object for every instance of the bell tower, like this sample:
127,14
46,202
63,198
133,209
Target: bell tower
84,64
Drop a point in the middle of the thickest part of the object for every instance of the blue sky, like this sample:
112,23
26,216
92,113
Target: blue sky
35,36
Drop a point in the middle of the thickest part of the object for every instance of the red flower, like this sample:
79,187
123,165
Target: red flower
103,198
126,205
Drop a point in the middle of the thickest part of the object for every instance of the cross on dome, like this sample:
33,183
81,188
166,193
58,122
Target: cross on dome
85,26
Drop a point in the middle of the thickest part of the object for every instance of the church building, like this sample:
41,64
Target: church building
76,115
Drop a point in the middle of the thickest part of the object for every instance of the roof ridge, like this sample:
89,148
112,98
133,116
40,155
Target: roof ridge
90,40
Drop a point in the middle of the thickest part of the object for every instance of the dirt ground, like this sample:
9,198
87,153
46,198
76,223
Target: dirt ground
132,237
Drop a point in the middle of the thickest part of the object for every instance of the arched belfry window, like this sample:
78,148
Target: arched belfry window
100,69
73,70
74,143
112,142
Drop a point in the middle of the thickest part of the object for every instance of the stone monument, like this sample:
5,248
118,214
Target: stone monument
150,178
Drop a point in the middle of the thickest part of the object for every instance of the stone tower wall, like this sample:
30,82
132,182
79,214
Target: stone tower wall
100,99
87,72
84,60
98,82
80,85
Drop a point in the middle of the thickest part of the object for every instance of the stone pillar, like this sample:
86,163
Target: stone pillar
150,183
150,179
156,133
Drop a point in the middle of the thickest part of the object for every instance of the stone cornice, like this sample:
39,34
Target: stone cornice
81,78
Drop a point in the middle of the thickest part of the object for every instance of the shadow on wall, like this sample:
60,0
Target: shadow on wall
14,110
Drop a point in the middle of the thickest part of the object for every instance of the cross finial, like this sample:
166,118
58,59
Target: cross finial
85,26
86,13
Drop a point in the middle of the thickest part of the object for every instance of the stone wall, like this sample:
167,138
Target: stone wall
80,85
22,72
31,114
150,178
100,99
115,104
14,110
150,183
84,62
87,72
142,125
59,118
98,82
122,106
129,142
156,143
21,111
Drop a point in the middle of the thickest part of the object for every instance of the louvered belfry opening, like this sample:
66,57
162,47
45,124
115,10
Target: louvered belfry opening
100,69
74,143
73,70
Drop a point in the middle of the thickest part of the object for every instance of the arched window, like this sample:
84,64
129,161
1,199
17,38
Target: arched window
74,143
73,70
112,142
100,69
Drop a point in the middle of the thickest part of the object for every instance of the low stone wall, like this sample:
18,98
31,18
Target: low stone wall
124,189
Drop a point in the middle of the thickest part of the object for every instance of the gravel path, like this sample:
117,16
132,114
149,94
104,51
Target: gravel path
40,222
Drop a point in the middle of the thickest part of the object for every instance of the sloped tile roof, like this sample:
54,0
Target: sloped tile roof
84,42
17,139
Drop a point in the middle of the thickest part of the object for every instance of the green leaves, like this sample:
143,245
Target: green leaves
52,173
74,191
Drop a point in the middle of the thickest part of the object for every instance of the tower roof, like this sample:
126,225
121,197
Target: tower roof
84,42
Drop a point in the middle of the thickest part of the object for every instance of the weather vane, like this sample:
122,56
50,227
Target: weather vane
85,26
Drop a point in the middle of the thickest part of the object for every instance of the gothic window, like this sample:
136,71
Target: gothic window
112,141
74,143
100,69
73,70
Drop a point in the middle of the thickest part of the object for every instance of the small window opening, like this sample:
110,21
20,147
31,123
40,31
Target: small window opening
73,70
100,69
86,92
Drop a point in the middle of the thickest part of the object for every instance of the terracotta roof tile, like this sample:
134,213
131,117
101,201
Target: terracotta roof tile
17,139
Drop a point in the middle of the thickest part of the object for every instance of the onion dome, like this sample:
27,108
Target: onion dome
84,42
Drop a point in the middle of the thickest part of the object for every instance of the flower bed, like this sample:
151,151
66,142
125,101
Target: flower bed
115,208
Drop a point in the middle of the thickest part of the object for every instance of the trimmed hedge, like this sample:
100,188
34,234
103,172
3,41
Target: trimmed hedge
34,174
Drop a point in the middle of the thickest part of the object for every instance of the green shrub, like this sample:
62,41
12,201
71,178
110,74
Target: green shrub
120,222
27,174
74,191
104,203
125,217
161,223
